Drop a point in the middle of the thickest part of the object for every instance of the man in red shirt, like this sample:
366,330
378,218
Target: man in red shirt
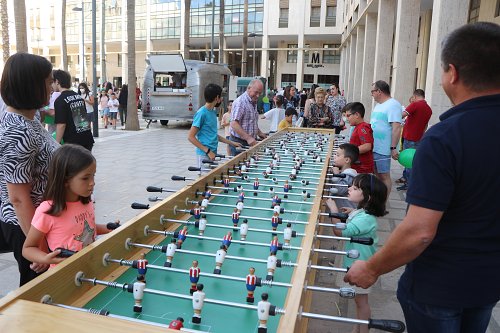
362,137
416,116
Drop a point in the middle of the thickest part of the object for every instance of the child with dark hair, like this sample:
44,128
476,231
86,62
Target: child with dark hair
369,193
346,155
203,133
275,115
288,120
361,136
66,218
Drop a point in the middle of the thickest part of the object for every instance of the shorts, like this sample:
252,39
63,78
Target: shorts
113,115
105,112
339,279
382,163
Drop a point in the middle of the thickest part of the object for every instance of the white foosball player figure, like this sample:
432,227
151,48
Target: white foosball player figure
287,234
204,204
239,206
202,225
271,192
220,255
272,261
244,230
198,300
170,252
243,168
263,313
277,209
138,292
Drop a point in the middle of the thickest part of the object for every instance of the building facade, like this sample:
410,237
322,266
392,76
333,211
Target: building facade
400,42
298,46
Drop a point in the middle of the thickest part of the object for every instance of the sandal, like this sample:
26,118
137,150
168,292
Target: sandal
401,180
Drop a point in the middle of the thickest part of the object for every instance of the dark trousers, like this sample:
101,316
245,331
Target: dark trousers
12,240
235,152
123,114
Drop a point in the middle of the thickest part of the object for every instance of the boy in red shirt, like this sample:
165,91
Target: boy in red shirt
362,136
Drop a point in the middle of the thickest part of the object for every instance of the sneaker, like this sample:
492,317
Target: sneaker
401,180
403,187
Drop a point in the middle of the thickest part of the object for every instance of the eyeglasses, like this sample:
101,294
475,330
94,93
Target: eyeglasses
348,114
374,90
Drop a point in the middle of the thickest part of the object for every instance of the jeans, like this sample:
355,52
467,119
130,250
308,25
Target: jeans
407,171
426,318
235,152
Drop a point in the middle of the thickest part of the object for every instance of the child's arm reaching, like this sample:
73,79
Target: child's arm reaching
107,228
32,252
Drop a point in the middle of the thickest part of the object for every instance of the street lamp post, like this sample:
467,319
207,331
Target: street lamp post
253,34
82,53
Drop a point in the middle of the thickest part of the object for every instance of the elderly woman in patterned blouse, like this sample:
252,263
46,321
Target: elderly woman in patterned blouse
26,149
336,102
320,114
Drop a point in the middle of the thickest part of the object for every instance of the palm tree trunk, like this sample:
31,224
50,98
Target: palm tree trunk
187,20
4,17
132,117
64,48
244,55
222,58
20,24
103,41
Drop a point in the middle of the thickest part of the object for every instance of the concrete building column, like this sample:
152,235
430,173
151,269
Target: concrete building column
352,62
264,58
405,50
447,15
383,48
425,33
347,54
342,64
358,66
368,62
300,62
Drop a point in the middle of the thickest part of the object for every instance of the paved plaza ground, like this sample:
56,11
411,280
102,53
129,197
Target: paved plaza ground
127,162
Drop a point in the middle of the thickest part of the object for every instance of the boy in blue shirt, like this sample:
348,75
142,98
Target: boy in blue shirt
203,133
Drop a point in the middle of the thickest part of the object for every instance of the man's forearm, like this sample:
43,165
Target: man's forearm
235,125
396,134
410,238
60,128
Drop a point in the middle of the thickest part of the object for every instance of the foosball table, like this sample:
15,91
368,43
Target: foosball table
234,251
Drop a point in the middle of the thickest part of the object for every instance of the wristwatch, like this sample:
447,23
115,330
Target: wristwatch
208,151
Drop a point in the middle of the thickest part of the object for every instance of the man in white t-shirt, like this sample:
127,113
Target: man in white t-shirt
275,115
386,126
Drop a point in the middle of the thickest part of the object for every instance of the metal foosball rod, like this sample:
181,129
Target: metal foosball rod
344,292
254,198
282,209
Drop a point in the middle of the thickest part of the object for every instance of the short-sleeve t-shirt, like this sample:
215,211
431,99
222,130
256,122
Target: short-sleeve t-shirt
419,113
226,118
360,224
73,229
26,149
245,112
447,176
70,110
382,116
361,134
283,124
275,116
206,121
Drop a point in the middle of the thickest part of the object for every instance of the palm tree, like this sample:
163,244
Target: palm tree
64,48
132,117
4,17
244,55
20,24
187,20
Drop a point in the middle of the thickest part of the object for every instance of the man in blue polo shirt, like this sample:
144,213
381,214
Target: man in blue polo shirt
203,133
450,238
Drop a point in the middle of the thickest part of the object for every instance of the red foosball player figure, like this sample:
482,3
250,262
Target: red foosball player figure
138,292
197,212
256,186
241,196
226,182
170,252
263,313
235,217
251,284
208,194
273,247
276,201
194,276
142,264
198,299
220,255
177,324
226,241
275,221
182,236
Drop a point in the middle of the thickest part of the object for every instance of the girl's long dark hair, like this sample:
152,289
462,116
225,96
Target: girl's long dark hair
374,193
67,162
86,87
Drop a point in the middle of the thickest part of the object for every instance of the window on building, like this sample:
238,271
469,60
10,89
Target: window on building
306,53
474,10
291,55
331,13
288,79
308,78
331,54
327,79
315,13
497,9
284,5
53,60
